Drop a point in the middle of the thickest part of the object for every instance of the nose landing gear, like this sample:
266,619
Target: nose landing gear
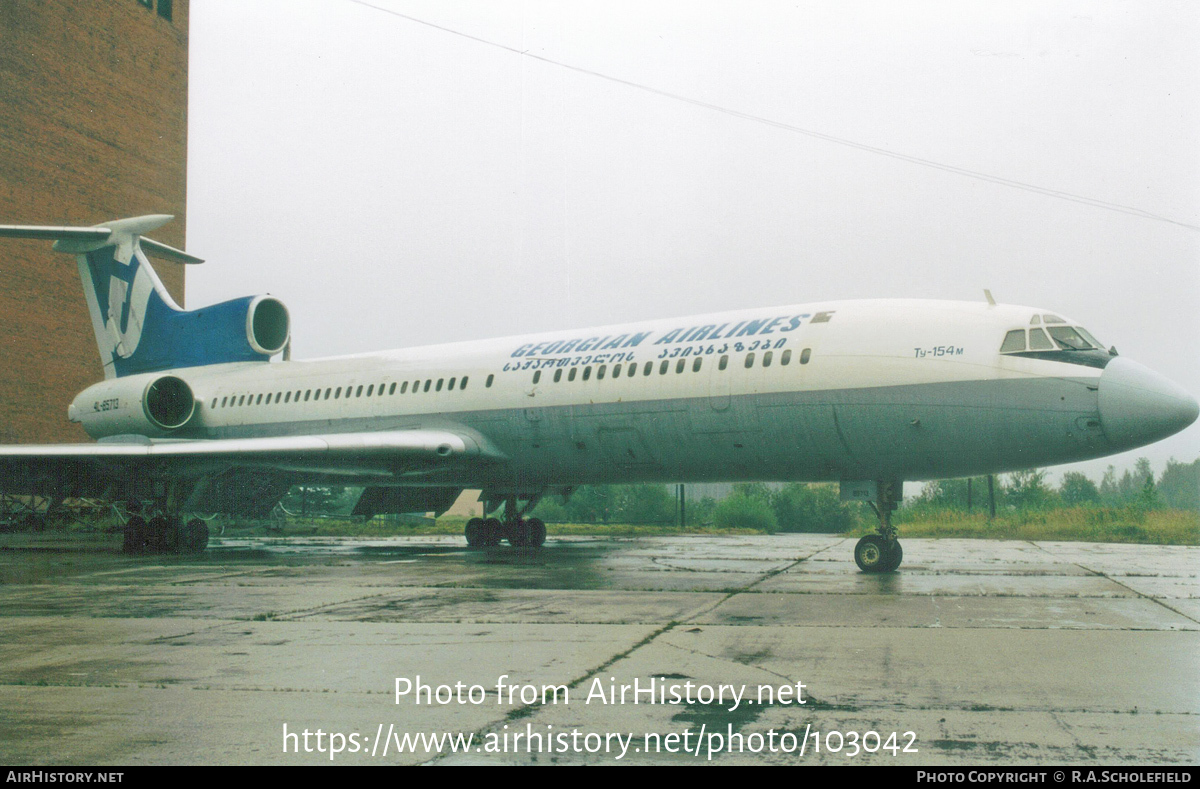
881,553
873,554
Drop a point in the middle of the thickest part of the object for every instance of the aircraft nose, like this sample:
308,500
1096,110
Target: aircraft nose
1138,406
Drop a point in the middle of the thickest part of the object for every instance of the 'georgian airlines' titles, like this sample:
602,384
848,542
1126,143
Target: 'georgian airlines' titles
746,328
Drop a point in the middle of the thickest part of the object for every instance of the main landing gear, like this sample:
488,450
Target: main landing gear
521,532
164,534
881,553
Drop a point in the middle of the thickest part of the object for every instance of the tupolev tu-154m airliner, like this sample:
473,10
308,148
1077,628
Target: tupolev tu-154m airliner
193,416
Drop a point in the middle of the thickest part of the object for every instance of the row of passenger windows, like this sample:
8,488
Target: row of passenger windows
664,366
429,384
345,393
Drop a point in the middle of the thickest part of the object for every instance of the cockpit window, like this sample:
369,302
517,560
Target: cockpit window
1035,320
1071,344
1038,341
1088,336
1052,319
1069,339
1014,341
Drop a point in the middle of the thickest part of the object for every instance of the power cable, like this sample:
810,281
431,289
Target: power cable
949,168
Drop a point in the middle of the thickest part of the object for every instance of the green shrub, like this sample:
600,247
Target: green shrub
742,511
812,509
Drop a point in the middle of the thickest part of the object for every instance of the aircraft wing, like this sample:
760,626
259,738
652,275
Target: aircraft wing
226,474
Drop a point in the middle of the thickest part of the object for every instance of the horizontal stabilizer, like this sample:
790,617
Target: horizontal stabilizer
77,240
122,232
158,249
48,233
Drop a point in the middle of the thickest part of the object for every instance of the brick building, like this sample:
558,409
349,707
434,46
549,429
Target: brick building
93,127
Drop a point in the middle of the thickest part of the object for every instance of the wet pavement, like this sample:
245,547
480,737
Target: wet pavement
976,652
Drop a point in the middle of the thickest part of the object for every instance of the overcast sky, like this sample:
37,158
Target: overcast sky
397,184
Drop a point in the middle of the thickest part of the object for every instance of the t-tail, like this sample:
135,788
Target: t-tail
139,327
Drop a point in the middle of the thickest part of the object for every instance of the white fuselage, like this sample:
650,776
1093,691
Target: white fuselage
886,389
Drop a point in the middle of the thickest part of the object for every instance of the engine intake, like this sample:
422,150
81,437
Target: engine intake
145,405
169,402
268,325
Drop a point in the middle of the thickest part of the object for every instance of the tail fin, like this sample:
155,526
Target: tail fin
139,328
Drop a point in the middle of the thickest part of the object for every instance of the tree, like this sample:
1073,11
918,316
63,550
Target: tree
587,504
612,504
552,510
1142,471
1110,493
1179,486
320,500
644,504
700,513
1148,498
753,490
952,493
1028,490
1131,487
590,504
1077,489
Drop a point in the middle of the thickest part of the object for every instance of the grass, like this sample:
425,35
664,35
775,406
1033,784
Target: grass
1131,524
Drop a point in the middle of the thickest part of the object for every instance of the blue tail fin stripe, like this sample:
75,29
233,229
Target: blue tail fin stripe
139,327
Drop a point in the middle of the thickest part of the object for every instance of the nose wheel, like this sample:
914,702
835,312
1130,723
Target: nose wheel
881,553
874,554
